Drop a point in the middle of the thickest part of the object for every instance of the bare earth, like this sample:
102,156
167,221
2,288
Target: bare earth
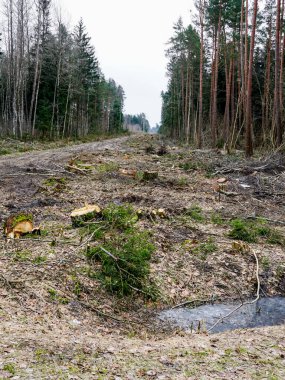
58,323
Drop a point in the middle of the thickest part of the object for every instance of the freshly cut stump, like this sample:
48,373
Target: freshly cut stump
81,215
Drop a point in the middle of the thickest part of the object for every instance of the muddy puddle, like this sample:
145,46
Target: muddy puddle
266,312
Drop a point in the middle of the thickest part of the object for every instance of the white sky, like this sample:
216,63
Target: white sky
129,37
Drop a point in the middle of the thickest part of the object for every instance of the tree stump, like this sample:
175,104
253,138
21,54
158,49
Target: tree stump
82,215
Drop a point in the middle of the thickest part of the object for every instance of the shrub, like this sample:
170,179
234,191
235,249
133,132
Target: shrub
126,254
121,217
124,262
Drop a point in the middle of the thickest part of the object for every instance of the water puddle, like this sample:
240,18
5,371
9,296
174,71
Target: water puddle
266,312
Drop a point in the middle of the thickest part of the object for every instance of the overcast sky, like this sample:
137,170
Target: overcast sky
129,37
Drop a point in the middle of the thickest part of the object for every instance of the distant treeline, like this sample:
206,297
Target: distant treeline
51,84
226,75
138,122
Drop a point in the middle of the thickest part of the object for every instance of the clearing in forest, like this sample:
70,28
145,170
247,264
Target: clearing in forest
194,219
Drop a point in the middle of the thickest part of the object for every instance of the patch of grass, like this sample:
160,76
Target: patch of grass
202,354
204,249
217,219
22,255
209,171
10,367
241,350
139,175
41,354
57,298
275,237
250,231
280,271
195,213
77,287
241,230
4,151
190,165
39,260
193,165
182,181
82,165
53,181
265,263
108,167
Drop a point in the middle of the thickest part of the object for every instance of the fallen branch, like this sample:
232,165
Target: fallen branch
89,238
189,303
54,241
80,170
109,254
228,193
243,303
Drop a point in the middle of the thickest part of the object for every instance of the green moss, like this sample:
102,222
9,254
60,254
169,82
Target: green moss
41,354
77,287
241,350
139,175
18,218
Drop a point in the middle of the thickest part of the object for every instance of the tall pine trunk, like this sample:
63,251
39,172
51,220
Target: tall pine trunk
248,116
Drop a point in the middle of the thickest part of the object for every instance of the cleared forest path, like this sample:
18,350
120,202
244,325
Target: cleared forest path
57,321
20,173
53,158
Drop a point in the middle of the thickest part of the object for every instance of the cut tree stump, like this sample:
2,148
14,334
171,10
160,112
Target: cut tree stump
82,215
18,225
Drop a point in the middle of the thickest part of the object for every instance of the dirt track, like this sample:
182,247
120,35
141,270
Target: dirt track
21,173
46,338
